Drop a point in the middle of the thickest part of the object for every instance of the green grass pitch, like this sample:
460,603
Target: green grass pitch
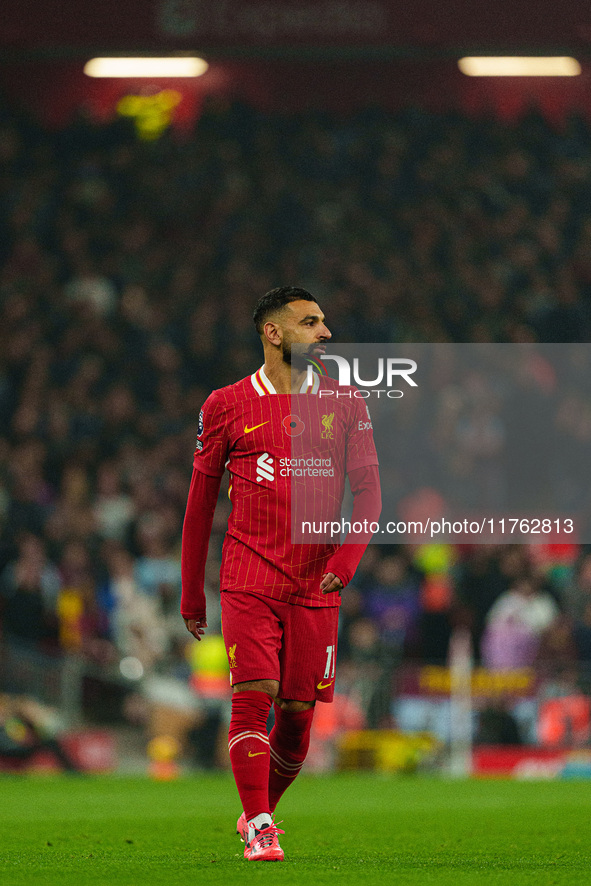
343,829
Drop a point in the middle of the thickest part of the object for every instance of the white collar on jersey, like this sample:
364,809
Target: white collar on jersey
263,385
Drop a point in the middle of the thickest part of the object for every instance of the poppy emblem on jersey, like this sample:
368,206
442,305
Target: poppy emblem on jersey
265,467
232,656
327,422
293,425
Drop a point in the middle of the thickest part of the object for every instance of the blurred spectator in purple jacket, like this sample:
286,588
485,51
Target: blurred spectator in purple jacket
515,624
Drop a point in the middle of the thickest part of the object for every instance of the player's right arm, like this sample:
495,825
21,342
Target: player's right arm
208,466
203,496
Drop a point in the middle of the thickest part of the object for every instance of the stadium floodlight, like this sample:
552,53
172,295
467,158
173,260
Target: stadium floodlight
140,66
519,66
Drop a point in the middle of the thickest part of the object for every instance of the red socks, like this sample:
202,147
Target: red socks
290,739
248,743
263,772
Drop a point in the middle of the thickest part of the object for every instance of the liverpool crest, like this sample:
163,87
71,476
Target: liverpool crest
327,422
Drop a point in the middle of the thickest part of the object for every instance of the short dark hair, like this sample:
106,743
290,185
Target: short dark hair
276,299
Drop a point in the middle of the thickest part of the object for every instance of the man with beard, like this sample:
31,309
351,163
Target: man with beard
279,599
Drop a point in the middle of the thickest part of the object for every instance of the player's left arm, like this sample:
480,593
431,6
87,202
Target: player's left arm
367,506
364,480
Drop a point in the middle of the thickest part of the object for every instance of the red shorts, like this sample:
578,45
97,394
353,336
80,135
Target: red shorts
272,640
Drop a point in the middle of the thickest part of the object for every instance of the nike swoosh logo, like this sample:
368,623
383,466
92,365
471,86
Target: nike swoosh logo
258,753
285,776
324,685
248,430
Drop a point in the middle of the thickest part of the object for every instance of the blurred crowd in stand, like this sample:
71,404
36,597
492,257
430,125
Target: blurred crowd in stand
128,274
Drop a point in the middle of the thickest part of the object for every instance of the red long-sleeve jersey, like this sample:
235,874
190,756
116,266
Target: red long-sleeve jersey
257,434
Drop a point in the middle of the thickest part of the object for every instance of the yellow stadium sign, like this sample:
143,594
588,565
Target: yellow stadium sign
484,682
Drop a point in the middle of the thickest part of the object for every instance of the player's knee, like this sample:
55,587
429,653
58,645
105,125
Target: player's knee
270,687
290,706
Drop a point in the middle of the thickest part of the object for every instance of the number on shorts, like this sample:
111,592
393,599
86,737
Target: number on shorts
330,662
